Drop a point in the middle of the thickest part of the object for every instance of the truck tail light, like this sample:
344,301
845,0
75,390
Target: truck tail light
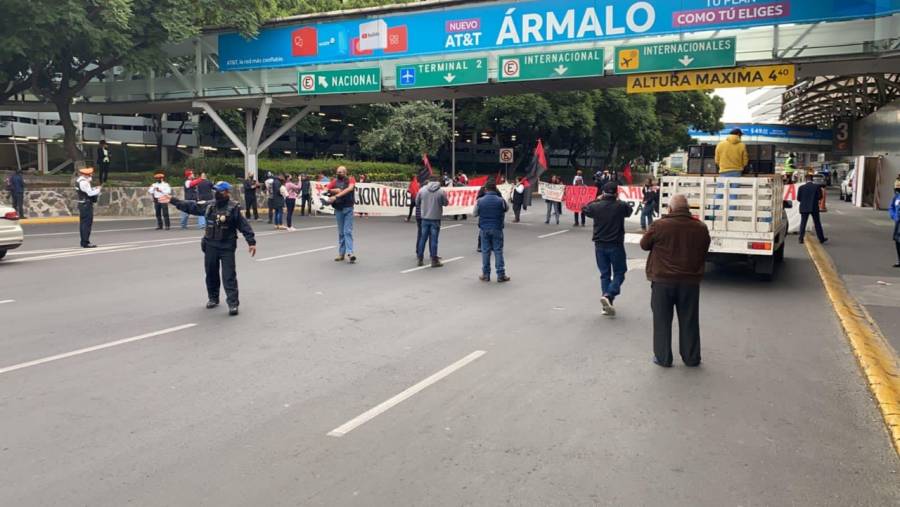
759,245
12,215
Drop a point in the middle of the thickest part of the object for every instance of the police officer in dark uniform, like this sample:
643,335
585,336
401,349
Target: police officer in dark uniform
87,196
223,221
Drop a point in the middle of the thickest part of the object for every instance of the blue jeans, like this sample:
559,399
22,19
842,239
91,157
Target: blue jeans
201,220
730,174
646,216
279,215
492,241
431,229
345,230
613,265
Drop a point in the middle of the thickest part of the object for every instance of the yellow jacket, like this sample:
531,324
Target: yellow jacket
731,154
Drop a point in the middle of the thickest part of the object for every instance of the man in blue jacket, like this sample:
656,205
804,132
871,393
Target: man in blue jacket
809,195
895,216
17,189
490,210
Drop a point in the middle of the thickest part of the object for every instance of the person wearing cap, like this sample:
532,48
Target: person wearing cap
223,221
157,190
87,196
609,214
731,155
894,211
191,194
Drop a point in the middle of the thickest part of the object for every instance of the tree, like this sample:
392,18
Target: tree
69,43
409,130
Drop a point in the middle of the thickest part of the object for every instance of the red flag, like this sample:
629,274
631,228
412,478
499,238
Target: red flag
414,187
538,163
477,181
427,165
627,174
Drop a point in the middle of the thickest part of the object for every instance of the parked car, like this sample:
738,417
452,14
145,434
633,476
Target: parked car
11,234
847,186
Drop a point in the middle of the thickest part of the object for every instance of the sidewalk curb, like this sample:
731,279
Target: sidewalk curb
49,220
877,359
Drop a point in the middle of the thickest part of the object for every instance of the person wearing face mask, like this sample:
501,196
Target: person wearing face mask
341,191
223,221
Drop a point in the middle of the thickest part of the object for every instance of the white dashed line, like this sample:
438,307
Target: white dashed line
95,348
296,253
553,234
374,412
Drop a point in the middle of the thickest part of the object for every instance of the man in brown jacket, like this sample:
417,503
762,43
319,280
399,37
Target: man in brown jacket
677,244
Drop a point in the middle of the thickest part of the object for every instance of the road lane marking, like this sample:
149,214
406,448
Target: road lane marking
428,266
49,250
553,234
377,410
94,348
451,226
99,250
637,263
7,301
296,253
92,232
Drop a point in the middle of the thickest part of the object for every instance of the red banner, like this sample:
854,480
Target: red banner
577,196
477,181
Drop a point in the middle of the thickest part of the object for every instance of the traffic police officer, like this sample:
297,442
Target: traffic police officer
223,221
87,196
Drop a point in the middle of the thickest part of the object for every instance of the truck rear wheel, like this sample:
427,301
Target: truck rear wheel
779,254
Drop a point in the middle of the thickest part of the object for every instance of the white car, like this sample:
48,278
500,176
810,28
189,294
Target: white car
847,186
11,234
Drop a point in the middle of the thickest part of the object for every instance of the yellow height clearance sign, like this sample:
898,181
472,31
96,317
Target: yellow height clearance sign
735,77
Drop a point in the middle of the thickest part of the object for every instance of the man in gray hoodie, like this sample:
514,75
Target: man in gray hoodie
431,201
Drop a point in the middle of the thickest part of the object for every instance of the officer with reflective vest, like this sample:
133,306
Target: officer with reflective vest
223,221
87,196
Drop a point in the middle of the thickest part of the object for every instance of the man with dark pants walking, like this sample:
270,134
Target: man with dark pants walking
894,211
677,244
609,214
809,195
490,210
431,200
223,220
87,196
17,189
305,196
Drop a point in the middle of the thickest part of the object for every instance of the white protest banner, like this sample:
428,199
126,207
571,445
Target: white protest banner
551,192
383,200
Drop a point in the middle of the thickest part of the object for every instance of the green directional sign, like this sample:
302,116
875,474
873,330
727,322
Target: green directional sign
552,65
322,82
442,73
676,55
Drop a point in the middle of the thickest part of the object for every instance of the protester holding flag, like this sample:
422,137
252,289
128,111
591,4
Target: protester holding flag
609,214
626,174
431,201
425,172
536,168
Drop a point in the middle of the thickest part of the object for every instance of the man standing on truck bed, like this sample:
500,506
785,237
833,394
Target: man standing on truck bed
809,195
731,155
677,244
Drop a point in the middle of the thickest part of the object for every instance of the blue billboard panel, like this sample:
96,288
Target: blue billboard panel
507,25
769,130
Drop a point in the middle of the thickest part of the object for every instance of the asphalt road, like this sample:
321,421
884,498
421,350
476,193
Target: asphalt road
530,396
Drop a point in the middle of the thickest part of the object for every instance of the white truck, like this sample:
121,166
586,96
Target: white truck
745,216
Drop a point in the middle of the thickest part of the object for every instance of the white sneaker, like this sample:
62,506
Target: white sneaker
291,229
607,307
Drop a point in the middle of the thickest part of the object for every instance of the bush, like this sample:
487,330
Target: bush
232,168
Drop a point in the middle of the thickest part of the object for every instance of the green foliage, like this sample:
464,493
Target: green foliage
409,130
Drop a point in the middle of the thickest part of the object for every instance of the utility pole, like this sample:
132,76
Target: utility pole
453,139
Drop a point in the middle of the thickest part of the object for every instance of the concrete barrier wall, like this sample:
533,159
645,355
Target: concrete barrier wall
113,201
